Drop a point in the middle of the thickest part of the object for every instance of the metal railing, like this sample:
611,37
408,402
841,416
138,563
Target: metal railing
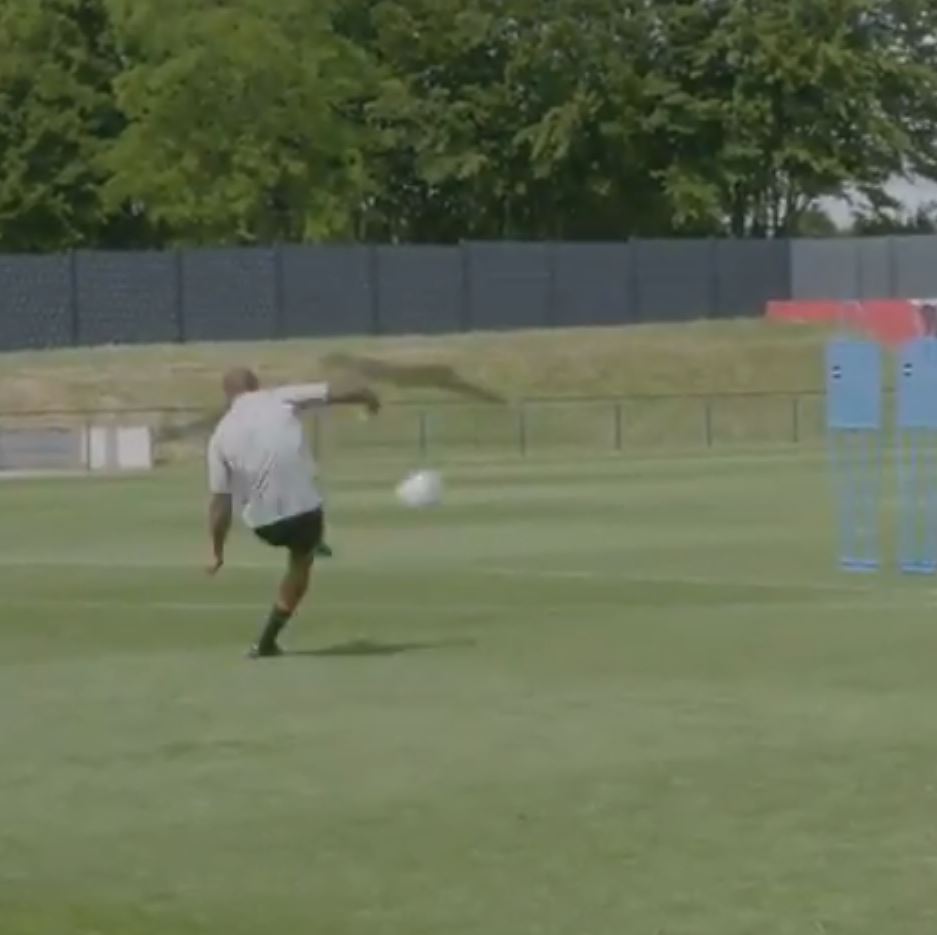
615,424
526,427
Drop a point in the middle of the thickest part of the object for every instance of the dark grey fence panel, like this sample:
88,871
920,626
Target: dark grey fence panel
35,302
749,274
229,295
825,269
126,298
876,273
864,268
916,266
246,294
593,284
675,279
511,286
327,291
420,289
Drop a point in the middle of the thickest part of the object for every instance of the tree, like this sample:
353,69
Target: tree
769,106
815,222
248,121
515,120
923,220
585,135
614,118
236,131
436,120
57,116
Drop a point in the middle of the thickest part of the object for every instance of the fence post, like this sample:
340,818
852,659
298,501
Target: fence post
522,429
465,295
892,268
715,297
86,444
550,312
708,421
179,295
374,282
617,426
74,310
634,281
423,433
795,419
279,308
859,280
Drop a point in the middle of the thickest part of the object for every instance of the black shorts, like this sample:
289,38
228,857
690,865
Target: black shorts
301,534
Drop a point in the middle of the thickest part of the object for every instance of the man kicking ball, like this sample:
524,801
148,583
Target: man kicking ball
259,456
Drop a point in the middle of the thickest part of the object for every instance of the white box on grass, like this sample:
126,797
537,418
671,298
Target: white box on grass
119,448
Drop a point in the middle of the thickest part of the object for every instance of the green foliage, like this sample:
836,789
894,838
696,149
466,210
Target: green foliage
923,220
767,107
515,126
815,222
246,121
235,132
57,115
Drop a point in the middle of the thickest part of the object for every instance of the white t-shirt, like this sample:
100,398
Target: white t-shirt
259,454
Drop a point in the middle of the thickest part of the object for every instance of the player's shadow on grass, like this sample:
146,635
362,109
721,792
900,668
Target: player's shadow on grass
357,648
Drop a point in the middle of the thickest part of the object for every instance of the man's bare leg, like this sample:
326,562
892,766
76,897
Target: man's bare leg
293,589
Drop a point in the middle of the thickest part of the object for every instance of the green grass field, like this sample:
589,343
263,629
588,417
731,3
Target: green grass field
606,697
690,358
637,388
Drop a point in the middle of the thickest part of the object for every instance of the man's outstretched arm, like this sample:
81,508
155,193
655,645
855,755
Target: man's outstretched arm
219,524
359,397
308,395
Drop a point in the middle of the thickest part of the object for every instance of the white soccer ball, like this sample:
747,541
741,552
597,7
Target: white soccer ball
420,489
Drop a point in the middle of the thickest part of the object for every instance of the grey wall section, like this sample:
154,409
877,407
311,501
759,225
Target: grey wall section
126,298
311,291
593,284
229,295
873,268
327,291
511,286
420,289
825,269
915,261
675,279
36,307
749,274
876,273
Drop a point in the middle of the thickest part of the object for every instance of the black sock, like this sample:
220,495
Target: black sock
277,620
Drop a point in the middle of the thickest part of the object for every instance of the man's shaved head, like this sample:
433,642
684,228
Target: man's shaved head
239,380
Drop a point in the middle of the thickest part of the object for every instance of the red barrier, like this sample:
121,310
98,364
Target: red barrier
892,321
